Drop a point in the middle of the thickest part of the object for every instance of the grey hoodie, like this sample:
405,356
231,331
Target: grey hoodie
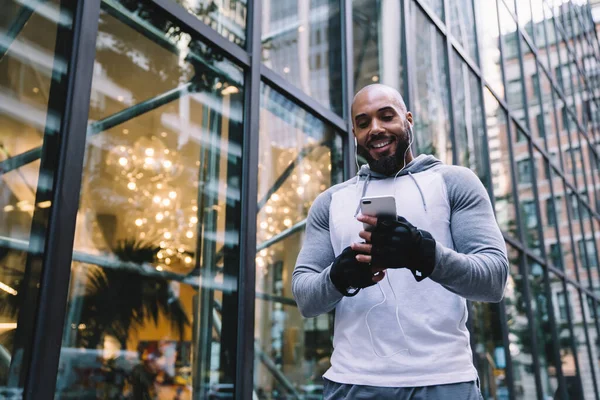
388,333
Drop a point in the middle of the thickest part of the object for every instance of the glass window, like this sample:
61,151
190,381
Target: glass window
524,171
500,164
227,17
294,34
529,214
432,100
555,256
562,306
564,309
489,46
553,211
539,124
587,253
371,63
462,25
33,78
437,6
152,309
519,328
468,114
541,309
300,157
489,351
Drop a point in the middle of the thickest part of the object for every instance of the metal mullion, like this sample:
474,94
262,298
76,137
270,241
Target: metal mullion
207,34
295,94
348,88
449,71
245,350
60,230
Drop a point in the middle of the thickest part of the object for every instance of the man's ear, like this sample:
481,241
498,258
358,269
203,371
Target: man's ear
409,117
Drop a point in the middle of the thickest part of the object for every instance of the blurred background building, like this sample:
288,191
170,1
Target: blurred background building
139,140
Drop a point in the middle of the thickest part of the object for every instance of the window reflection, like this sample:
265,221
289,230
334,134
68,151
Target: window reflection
301,40
462,25
299,157
519,329
540,306
152,308
500,165
376,26
432,100
467,105
227,17
32,79
490,353
563,310
489,46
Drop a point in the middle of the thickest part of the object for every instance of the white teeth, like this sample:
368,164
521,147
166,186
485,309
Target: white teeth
380,145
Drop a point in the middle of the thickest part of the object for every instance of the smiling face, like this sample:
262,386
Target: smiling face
381,125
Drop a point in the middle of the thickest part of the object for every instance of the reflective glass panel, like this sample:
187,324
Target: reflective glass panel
462,25
432,101
299,157
468,113
500,165
489,350
152,309
301,40
227,17
570,359
489,46
585,332
378,32
519,329
541,309
512,65
526,176
33,78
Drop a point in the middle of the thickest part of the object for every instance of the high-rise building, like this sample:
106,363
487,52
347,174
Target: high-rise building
158,160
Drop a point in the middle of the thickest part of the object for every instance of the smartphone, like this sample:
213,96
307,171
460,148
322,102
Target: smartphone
378,206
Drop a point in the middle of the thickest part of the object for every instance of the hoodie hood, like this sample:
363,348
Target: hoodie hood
419,164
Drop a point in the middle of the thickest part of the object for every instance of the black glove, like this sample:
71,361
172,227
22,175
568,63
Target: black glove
399,244
347,273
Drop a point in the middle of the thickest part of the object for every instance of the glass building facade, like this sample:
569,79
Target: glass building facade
158,159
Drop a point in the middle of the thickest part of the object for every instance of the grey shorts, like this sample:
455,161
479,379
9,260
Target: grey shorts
453,391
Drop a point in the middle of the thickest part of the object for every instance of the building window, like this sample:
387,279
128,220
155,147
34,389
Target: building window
529,215
587,253
553,210
559,78
539,120
555,257
524,171
565,117
561,300
536,85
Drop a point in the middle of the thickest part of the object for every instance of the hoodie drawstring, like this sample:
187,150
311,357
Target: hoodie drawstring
420,191
364,190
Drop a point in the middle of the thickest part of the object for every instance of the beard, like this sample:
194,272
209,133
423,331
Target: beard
388,165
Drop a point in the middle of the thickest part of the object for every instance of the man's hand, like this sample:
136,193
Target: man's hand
347,272
396,243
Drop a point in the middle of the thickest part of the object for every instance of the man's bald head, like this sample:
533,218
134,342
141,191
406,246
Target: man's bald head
378,89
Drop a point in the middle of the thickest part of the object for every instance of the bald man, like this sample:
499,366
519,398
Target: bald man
400,288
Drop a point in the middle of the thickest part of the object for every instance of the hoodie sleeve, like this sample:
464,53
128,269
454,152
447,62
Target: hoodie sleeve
478,269
313,290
